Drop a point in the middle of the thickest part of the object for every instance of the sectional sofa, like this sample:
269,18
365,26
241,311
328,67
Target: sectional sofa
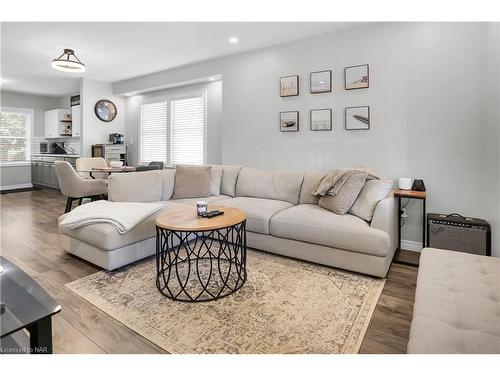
283,218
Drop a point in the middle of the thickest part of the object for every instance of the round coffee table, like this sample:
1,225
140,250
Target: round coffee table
200,259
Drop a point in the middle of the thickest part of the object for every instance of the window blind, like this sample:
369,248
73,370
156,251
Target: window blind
187,127
15,135
153,133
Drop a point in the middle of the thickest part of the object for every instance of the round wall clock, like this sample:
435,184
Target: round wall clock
105,110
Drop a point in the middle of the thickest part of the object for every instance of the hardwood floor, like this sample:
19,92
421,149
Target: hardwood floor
29,238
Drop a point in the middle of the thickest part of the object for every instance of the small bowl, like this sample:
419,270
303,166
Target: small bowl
116,164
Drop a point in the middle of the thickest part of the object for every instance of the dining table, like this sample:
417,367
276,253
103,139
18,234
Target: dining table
109,170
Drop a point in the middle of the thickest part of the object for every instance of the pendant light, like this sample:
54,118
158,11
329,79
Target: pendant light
68,62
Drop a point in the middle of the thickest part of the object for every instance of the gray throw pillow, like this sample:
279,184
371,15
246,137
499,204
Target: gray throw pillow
191,181
344,199
372,193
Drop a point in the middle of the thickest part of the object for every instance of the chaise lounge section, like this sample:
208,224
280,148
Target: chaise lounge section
283,218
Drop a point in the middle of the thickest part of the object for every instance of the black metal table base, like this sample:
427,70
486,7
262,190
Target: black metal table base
196,266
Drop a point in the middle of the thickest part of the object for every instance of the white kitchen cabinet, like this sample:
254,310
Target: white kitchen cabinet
76,121
52,122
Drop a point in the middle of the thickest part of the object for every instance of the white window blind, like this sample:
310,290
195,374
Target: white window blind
15,135
187,126
153,133
173,131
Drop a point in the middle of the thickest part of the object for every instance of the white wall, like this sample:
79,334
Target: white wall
20,175
429,102
93,130
214,118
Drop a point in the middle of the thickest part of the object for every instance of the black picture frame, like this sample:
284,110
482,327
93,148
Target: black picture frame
311,119
296,126
329,80
106,102
367,120
296,77
367,75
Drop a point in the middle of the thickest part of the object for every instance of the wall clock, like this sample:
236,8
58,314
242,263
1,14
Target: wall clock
105,110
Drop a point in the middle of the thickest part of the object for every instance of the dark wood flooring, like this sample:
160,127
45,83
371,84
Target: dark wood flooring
29,238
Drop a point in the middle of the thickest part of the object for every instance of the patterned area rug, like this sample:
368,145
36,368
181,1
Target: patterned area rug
286,306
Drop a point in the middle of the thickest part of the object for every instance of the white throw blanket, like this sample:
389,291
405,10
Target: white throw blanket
122,215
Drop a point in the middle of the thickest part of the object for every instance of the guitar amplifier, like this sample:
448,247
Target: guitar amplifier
458,233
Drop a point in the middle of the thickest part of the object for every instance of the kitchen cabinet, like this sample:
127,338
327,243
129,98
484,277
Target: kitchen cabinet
53,125
43,170
76,121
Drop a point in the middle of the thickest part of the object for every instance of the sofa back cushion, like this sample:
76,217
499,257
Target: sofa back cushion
311,181
135,187
168,181
192,181
279,185
229,178
215,178
372,193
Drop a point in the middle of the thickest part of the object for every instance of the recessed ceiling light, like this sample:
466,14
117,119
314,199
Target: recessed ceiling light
233,40
68,62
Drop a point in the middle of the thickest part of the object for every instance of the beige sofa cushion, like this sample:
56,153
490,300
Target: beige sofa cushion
215,179
311,181
279,185
259,211
311,223
192,181
106,237
168,181
373,192
341,202
135,187
229,178
457,304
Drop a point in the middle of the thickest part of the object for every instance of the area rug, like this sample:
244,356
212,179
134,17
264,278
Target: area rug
285,306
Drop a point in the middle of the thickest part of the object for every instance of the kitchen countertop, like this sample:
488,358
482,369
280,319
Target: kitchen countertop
58,155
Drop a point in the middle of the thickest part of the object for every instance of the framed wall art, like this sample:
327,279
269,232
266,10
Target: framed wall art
321,119
289,121
320,82
357,118
357,77
289,86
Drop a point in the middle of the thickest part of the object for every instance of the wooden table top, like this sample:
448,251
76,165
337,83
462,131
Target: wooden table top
410,194
110,169
187,219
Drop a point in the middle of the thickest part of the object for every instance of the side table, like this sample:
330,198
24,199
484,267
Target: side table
409,194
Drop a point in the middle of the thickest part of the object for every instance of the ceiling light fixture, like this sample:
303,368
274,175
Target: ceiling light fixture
68,62
233,40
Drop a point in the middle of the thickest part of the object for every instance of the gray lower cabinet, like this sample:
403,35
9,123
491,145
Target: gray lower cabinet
43,170
53,177
44,174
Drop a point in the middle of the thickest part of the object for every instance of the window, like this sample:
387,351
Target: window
173,130
15,135
153,145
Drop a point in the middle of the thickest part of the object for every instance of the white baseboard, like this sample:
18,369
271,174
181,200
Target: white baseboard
13,187
411,245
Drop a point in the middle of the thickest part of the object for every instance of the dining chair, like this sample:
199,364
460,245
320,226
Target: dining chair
75,187
158,163
145,168
86,164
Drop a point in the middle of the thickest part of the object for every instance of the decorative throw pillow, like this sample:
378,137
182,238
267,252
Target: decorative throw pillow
215,179
372,193
191,181
344,199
